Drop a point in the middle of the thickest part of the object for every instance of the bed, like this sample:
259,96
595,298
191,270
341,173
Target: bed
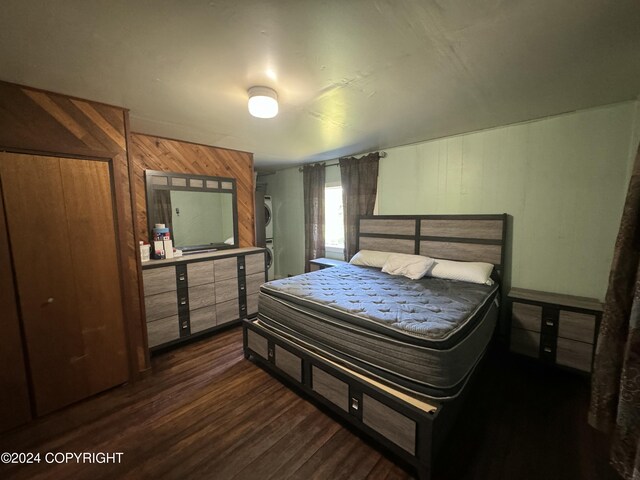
391,356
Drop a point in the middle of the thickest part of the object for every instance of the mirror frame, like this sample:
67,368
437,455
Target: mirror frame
159,180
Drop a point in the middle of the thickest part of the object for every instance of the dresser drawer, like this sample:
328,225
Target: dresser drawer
252,304
163,330
526,316
227,311
577,326
254,263
253,283
202,296
525,342
200,273
159,280
225,268
161,305
331,388
226,290
202,319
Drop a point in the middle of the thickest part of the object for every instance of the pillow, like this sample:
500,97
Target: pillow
411,266
370,258
473,272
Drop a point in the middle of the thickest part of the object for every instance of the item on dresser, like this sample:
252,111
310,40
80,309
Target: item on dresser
167,245
161,233
553,328
158,249
200,293
145,251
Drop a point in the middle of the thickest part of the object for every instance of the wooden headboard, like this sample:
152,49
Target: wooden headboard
469,238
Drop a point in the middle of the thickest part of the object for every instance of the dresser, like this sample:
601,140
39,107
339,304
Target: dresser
555,329
196,294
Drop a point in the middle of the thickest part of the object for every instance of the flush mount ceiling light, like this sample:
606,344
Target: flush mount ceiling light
263,102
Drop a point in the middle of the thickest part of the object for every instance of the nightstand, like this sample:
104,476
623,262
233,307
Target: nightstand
321,263
555,329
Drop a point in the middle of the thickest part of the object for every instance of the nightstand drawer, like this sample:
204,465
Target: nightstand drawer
525,342
571,353
577,326
526,316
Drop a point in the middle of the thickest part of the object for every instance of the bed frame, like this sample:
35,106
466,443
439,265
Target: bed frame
410,429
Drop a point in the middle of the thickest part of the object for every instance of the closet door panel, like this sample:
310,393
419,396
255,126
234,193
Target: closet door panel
90,221
62,232
36,217
14,390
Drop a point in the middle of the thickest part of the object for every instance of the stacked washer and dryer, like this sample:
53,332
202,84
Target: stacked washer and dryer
268,226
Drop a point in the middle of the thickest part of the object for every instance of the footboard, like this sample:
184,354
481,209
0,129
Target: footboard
406,427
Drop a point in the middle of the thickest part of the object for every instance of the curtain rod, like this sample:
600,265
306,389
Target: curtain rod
324,164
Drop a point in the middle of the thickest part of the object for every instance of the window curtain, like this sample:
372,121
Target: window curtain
615,387
313,183
359,178
163,210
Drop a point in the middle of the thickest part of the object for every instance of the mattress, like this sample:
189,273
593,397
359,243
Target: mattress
425,336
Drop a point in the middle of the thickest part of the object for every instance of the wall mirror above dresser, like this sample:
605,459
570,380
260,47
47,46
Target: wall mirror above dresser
200,211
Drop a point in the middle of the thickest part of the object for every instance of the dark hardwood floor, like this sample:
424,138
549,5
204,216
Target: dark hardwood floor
206,412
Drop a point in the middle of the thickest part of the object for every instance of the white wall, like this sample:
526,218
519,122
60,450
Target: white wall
563,179
286,190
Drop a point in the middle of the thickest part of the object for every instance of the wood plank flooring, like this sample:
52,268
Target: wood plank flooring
206,412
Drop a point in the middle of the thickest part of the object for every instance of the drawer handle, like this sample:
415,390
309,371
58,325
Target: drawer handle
354,403
50,300
547,349
183,301
243,307
241,267
184,325
549,323
181,277
271,353
242,288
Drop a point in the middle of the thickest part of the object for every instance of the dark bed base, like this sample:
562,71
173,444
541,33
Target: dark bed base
409,433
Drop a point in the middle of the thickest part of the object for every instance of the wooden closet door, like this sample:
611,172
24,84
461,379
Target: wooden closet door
61,227
14,391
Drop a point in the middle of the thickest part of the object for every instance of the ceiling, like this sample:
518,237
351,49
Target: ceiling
352,75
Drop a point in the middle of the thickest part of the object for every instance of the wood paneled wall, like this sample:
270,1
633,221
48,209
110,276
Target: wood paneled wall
39,122
156,153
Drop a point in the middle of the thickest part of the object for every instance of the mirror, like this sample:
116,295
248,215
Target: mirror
200,211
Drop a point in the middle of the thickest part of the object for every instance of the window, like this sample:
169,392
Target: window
333,220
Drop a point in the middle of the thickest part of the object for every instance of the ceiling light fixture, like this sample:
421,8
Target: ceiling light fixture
263,102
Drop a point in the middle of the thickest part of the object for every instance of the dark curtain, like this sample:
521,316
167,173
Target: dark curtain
162,207
313,182
615,387
359,178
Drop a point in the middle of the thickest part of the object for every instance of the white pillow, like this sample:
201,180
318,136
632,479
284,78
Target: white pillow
369,258
411,266
473,272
